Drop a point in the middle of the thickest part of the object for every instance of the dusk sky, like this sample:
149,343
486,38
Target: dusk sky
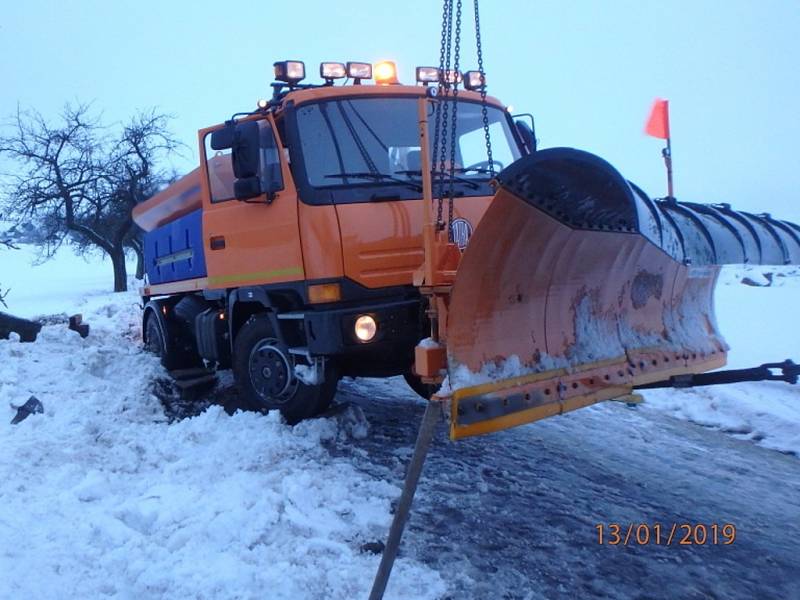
587,70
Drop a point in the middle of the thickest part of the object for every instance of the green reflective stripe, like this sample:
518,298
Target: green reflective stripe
257,275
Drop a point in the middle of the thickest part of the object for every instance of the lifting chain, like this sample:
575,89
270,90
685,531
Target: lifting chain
446,110
440,132
454,126
484,110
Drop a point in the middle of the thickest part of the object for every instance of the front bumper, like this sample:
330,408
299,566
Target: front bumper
330,331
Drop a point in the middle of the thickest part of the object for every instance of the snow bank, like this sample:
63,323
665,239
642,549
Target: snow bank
767,413
761,325
101,496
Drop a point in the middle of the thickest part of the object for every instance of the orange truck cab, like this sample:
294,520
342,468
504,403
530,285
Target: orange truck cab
288,255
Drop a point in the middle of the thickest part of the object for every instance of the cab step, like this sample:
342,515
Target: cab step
193,383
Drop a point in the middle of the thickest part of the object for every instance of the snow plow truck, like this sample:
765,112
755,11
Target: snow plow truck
386,229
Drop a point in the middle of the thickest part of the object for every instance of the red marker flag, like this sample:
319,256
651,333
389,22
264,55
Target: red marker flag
658,123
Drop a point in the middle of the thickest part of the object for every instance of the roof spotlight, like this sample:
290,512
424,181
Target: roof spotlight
474,80
453,77
386,73
426,75
358,71
332,70
290,71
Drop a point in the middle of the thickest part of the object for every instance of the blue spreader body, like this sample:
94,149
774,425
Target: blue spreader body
174,251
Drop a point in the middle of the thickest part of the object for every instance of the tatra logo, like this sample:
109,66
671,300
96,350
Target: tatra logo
461,230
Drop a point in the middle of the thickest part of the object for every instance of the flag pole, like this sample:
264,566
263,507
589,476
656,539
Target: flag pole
667,153
658,126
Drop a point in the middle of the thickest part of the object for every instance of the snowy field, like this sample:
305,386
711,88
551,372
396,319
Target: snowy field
761,325
102,496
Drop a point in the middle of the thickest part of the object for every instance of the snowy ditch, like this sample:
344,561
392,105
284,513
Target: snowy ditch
101,496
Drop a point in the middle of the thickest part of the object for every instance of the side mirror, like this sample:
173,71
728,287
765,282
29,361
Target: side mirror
245,150
254,158
247,187
527,135
256,164
222,139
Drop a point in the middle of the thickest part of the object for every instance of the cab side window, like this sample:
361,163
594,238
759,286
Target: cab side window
220,172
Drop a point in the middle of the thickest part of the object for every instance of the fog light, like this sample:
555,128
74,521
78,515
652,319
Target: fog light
290,71
366,328
359,71
427,75
453,77
474,80
332,70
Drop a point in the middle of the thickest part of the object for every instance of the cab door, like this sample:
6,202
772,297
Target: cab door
253,240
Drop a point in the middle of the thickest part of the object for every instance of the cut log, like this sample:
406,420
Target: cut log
27,330
76,324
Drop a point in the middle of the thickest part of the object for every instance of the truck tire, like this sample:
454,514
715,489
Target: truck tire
264,373
175,351
156,344
182,331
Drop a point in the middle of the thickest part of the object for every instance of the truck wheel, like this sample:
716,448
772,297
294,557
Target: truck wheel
174,351
264,373
156,344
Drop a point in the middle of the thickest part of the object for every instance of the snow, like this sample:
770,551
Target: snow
429,343
766,412
102,496
53,286
463,377
761,325
308,374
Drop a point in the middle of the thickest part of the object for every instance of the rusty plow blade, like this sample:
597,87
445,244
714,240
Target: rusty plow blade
576,287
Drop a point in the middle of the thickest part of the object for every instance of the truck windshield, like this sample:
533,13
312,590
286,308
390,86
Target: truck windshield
350,147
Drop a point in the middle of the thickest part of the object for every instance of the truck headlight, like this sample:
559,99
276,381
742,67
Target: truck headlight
366,328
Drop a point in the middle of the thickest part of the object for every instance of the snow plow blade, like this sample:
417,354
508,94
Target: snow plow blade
576,287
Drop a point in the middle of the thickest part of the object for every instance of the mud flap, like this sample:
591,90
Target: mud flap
576,287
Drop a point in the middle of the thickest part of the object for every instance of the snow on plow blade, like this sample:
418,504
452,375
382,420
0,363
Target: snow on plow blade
576,287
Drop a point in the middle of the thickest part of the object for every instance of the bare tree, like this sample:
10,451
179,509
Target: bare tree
80,179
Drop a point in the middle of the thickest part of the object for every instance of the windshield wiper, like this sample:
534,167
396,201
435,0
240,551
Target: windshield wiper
376,177
463,180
